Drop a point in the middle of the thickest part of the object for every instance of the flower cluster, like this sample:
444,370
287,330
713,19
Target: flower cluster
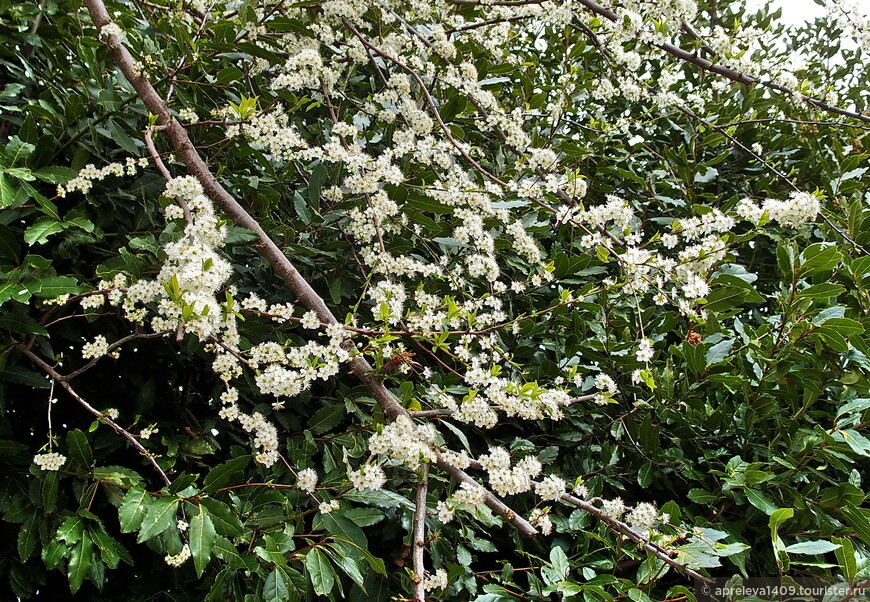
643,517
265,433
306,480
505,480
177,560
540,518
89,174
550,488
98,348
368,476
794,212
327,507
436,581
406,441
51,461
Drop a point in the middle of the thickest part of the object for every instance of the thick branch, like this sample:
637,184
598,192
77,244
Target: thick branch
185,149
420,535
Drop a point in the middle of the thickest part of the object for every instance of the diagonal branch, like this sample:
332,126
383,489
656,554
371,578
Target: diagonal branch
731,74
654,549
307,296
63,381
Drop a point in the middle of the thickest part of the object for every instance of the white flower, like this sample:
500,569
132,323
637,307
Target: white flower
327,507
643,517
644,351
369,476
550,488
445,512
188,115
112,29
310,320
178,559
800,208
613,508
541,519
438,580
96,349
182,525
604,383
306,480
50,461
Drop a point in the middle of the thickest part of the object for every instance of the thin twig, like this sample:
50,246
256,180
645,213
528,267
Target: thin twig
98,414
654,549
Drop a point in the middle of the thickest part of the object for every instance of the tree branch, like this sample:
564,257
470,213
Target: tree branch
307,296
420,535
118,429
731,74
654,549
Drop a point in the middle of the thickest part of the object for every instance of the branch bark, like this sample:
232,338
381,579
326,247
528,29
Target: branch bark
307,296
420,535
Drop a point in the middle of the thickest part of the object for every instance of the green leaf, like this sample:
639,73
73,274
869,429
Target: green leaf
274,588
49,491
55,286
133,509
229,74
201,539
319,572
699,496
812,547
344,529
117,475
818,258
7,192
760,501
71,530
777,517
79,448
223,474
160,516
697,555
40,232
315,184
846,557
326,418
111,550
825,290
844,326
344,557
80,560
28,536
559,560
364,517
858,442
225,521
719,352
859,520
708,175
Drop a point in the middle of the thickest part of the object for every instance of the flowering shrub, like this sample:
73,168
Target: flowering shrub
456,299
